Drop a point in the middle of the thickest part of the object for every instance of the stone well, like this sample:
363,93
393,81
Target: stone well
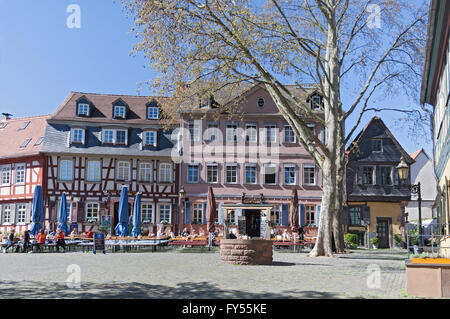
246,252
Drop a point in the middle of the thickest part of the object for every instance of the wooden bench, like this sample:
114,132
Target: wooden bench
188,243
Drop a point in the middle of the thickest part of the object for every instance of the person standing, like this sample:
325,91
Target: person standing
60,242
300,233
26,241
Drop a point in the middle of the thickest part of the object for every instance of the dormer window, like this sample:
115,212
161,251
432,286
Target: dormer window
153,113
83,109
77,135
150,138
316,102
24,125
377,145
119,111
111,136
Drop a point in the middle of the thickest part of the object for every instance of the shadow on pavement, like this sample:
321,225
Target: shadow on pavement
185,290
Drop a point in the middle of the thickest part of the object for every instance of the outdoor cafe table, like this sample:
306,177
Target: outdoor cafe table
126,244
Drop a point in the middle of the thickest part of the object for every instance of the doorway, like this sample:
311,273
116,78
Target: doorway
253,223
383,233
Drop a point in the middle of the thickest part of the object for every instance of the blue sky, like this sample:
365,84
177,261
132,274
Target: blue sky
42,60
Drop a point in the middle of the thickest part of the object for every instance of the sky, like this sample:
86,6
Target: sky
42,60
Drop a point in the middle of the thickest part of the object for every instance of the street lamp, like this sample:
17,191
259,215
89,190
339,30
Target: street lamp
182,196
403,170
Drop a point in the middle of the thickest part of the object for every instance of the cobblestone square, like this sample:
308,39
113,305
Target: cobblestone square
360,274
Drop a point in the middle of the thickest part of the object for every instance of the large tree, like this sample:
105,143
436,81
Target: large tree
352,50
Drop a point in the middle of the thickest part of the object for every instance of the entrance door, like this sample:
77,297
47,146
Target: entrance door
253,223
383,233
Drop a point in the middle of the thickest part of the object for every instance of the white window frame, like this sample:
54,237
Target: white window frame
160,172
376,140
287,126
212,130
277,214
264,173
6,175
197,209
22,173
195,134
251,132
121,169
89,177
114,136
295,173
252,165
143,171
144,208
309,166
21,211
120,111
148,139
310,210
217,175
231,132
235,165
73,134
188,166
159,212
6,221
125,138
270,127
89,211
63,177
83,106
151,113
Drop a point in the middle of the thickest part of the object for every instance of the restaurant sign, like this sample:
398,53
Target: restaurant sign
256,200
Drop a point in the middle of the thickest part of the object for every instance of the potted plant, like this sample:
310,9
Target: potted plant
351,240
398,240
375,241
413,235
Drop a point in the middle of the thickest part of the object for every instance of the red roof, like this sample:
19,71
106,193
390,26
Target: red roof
416,153
14,133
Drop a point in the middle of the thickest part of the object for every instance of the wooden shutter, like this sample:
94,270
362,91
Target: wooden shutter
345,215
378,175
358,172
284,214
204,213
187,213
302,215
366,215
81,212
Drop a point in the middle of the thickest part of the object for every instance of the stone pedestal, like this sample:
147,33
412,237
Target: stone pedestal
246,252
428,280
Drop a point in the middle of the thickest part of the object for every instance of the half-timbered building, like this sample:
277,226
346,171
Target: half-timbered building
97,143
21,169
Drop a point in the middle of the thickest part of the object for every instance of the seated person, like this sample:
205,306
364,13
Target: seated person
286,236
231,235
41,237
185,232
193,235
159,233
89,234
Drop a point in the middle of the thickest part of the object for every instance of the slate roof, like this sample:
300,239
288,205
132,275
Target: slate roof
12,138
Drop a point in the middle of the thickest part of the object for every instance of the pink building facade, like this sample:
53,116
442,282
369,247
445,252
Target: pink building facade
253,161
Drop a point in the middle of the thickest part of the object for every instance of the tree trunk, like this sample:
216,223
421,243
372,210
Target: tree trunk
338,229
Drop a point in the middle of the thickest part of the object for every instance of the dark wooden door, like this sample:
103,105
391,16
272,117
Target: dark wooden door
383,233
253,223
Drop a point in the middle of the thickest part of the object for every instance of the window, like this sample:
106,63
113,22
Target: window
77,135
270,174
165,173
28,140
165,213
21,213
386,176
231,132
309,174
150,138
145,172
231,217
123,171
194,130
119,111
24,125
231,173
39,141
94,171
276,214
261,102
20,174
92,212
367,175
377,145
83,109
354,215
212,173
271,133
250,173
7,214
290,173
108,136
153,113
121,137
251,133
289,135
66,170
193,173
316,102
212,132
197,213
312,128
309,214
147,213
6,174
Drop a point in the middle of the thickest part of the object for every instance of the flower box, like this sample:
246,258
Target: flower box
439,261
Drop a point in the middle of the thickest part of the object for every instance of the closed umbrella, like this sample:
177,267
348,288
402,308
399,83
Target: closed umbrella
38,211
210,211
294,211
62,215
122,226
136,216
